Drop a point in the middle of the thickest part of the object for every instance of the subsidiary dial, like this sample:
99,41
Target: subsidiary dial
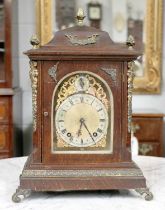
81,120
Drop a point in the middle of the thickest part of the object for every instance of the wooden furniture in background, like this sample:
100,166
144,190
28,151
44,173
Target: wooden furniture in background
6,92
10,103
149,132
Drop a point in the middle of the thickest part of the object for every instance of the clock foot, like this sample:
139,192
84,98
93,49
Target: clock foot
148,196
20,194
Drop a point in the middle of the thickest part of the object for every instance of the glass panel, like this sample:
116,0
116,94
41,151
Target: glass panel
82,115
2,42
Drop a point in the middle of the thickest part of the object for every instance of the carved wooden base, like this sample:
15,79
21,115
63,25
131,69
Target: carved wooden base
36,178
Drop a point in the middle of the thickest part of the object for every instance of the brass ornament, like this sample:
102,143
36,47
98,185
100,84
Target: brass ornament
111,72
130,42
82,173
80,17
145,148
53,72
17,196
35,42
86,41
95,88
66,90
131,76
34,84
146,193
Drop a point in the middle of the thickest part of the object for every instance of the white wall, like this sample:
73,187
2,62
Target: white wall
24,28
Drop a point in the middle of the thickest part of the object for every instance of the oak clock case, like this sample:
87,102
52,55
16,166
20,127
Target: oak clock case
81,94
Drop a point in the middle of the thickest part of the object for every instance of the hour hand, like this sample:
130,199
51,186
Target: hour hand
81,123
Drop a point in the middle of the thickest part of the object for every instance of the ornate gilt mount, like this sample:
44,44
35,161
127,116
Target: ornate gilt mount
131,76
111,72
34,83
76,41
53,72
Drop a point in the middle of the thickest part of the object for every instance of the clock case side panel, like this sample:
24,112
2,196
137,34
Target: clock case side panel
49,86
126,136
36,157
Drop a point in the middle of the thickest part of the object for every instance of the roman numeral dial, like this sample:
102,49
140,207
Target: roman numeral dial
84,121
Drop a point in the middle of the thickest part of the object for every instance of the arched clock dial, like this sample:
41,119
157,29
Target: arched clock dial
81,120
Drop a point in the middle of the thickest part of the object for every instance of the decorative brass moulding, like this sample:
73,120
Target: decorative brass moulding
89,40
131,76
81,173
34,83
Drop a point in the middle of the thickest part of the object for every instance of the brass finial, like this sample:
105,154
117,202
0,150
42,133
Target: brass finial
130,42
35,42
80,16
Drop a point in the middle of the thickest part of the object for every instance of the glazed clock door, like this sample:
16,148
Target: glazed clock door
80,104
82,115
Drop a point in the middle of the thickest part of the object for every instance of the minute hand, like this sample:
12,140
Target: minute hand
88,131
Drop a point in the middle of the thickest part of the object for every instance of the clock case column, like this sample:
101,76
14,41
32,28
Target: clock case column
45,171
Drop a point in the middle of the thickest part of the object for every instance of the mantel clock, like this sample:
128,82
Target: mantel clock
81,94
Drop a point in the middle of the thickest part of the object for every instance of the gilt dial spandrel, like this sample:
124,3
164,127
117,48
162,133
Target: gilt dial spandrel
82,115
